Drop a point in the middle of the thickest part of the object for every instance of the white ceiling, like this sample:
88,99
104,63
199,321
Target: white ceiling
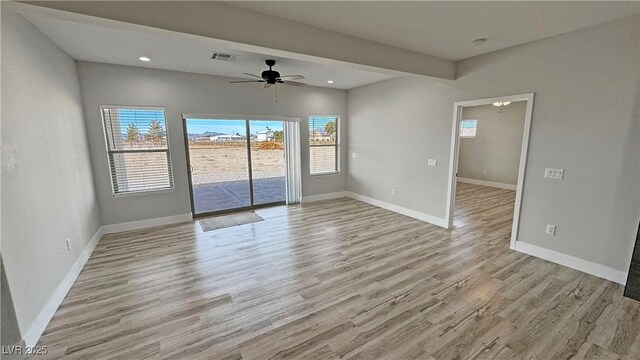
447,29
115,46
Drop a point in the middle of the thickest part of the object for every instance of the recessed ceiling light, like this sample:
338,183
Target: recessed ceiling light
144,58
330,81
479,41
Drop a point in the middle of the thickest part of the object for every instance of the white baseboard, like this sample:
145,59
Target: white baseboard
327,196
399,209
385,205
143,224
38,326
595,269
488,183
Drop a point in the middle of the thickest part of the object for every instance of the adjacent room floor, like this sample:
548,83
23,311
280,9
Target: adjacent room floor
340,279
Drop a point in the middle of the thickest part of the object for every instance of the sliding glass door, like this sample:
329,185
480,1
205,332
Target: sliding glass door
234,164
267,161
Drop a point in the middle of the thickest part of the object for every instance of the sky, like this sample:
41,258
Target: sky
142,118
468,123
319,122
199,126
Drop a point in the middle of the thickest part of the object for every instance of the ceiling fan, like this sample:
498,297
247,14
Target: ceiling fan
271,77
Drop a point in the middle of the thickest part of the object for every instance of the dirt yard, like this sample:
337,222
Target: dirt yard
217,163
228,163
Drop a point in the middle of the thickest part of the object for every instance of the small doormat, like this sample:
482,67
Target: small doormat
225,221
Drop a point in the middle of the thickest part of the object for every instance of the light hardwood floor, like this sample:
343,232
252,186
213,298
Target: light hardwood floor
340,279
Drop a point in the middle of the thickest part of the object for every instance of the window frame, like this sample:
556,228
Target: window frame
468,136
336,145
109,152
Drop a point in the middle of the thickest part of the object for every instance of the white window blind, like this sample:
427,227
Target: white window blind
138,149
323,144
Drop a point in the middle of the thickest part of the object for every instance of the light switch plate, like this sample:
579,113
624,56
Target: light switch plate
432,162
353,155
551,229
556,174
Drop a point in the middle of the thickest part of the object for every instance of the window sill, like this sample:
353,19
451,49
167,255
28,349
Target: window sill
325,174
144,192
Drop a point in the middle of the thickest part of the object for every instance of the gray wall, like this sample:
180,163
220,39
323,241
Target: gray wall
494,154
10,334
585,120
188,93
394,127
47,185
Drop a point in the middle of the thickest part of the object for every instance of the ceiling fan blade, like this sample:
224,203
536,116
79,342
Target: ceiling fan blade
259,77
245,81
295,83
292,77
267,85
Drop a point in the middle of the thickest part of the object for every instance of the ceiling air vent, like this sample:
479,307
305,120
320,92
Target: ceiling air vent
222,56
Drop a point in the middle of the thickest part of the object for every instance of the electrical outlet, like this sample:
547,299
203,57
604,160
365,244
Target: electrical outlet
551,229
484,172
432,162
393,192
68,244
556,174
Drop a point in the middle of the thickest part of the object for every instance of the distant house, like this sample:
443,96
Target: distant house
224,137
264,135
316,134
319,136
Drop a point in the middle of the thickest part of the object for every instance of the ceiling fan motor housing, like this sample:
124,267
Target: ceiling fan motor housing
270,76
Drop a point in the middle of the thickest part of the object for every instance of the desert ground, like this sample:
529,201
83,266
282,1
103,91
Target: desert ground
227,163
214,163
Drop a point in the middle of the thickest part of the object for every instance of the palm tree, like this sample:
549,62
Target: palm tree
330,129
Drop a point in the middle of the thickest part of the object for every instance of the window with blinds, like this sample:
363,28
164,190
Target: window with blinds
468,128
323,144
138,149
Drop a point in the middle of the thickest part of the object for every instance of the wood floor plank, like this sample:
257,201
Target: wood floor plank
340,279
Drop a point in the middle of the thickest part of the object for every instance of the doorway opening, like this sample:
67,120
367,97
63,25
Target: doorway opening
489,145
236,163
